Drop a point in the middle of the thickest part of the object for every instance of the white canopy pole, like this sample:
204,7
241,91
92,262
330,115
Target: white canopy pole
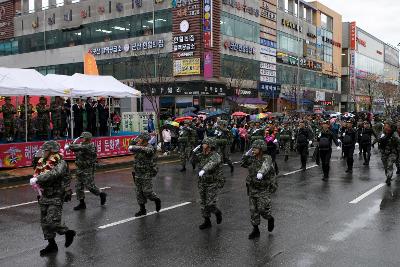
72,119
109,113
26,118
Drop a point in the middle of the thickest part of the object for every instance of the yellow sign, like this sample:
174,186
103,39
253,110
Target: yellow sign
188,66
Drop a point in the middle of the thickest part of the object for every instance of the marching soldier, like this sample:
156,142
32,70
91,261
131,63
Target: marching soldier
185,143
325,139
43,118
256,133
211,181
390,146
349,144
144,170
8,111
86,156
260,182
224,140
52,180
303,139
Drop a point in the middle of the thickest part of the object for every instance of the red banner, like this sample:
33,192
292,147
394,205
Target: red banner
353,35
16,155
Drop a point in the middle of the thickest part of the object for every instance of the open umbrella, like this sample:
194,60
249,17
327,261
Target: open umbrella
239,114
180,119
189,114
262,116
276,114
174,123
189,109
217,113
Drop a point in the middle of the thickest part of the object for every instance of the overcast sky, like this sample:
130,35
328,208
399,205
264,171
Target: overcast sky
381,18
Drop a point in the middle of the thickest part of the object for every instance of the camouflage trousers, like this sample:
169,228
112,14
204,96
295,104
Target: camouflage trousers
208,198
43,125
57,124
184,154
260,204
225,155
388,162
144,190
286,147
50,218
8,128
85,179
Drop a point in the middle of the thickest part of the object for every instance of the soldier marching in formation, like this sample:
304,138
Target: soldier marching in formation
285,137
224,139
186,139
144,170
52,180
86,156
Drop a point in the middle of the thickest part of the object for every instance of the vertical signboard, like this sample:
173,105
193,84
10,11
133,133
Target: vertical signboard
207,24
353,35
7,20
208,65
353,47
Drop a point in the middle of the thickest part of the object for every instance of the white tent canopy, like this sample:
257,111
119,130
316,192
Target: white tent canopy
82,85
20,82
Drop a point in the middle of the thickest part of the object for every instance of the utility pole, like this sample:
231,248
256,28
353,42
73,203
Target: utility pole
298,93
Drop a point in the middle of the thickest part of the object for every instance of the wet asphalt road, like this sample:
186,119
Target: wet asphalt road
315,223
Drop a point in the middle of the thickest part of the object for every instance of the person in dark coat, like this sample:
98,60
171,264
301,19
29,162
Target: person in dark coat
91,116
102,109
78,117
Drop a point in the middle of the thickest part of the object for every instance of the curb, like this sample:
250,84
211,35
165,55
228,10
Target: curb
18,179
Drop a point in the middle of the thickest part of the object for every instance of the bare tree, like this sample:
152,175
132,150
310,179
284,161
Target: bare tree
237,77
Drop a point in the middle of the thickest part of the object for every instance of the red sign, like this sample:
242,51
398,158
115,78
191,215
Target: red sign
362,42
21,154
353,35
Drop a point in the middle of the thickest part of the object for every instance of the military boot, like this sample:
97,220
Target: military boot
206,224
286,157
389,182
194,165
255,233
218,215
183,169
51,248
69,237
271,224
103,198
142,211
398,171
81,206
158,204
232,168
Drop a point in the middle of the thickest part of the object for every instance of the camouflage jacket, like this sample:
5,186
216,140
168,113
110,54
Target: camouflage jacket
8,112
54,183
186,135
144,164
56,111
224,137
285,135
86,155
390,144
22,111
43,111
264,166
212,165
256,134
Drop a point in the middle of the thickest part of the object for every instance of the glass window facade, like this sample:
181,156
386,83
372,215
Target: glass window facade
369,65
115,29
240,28
240,68
312,79
325,51
289,43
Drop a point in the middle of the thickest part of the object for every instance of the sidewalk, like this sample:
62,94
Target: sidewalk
18,175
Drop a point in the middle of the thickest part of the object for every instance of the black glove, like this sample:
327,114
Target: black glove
68,195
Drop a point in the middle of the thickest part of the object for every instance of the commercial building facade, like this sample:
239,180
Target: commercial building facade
370,67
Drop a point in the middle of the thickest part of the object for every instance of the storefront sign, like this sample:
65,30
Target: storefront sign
22,154
185,54
183,43
311,35
184,3
353,34
391,55
187,8
267,66
207,23
267,79
268,6
293,60
265,72
140,46
330,41
184,67
268,15
246,49
362,42
267,30
269,89
208,65
292,25
187,89
267,50
242,5
268,43
267,58
245,92
319,96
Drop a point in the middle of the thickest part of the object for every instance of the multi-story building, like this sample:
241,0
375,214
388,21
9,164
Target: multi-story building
370,67
309,47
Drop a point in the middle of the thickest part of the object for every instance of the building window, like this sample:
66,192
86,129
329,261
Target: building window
289,43
326,22
296,9
286,5
304,13
239,68
240,28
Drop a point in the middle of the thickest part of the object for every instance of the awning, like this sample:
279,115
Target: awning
248,101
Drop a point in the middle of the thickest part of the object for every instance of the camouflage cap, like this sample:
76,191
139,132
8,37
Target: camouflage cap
260,144
210,142
51,146
86,135
144,136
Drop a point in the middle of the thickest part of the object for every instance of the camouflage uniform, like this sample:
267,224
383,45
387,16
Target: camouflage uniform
43,118
224,140
185,141
8,111
259,191
86,156
56,113
54,183
212,181
23,119
144,170
285,137
256,134
390,147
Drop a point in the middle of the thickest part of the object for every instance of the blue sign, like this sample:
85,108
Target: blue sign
268,43
269,89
